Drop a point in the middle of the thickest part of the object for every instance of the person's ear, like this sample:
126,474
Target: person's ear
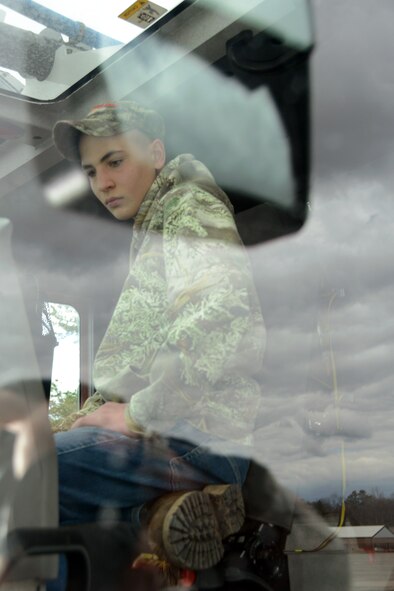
158,153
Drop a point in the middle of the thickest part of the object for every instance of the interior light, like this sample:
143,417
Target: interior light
66,190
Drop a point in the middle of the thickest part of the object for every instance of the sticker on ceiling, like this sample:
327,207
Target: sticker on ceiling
143,13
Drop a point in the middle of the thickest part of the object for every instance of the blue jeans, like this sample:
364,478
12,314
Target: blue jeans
104,475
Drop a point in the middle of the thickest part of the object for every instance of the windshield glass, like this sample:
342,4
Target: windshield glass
184,291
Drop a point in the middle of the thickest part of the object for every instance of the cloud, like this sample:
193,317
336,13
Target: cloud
326,292
326,295
353,88
327,299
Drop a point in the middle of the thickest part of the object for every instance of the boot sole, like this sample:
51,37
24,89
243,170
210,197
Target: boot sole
196,524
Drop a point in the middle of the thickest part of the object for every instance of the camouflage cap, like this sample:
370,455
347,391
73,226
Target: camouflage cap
104,121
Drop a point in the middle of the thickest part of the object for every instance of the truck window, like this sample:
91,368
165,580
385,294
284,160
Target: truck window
65,379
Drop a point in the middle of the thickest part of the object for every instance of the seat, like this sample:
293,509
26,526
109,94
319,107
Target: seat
28,473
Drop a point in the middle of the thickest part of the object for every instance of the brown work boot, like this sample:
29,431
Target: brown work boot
188,527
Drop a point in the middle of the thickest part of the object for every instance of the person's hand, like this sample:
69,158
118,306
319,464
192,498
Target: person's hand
110,415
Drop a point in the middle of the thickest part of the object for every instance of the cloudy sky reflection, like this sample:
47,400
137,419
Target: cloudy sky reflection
326,295
327,301
326,292
337,274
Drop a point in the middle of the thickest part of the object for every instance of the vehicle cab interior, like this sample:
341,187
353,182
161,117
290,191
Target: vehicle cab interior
232,81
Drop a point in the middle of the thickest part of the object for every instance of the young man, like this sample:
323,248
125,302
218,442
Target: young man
175,398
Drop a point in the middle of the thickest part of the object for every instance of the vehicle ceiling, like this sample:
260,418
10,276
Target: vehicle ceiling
173,60
30,152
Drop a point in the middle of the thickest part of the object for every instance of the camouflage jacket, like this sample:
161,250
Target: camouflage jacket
187,335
